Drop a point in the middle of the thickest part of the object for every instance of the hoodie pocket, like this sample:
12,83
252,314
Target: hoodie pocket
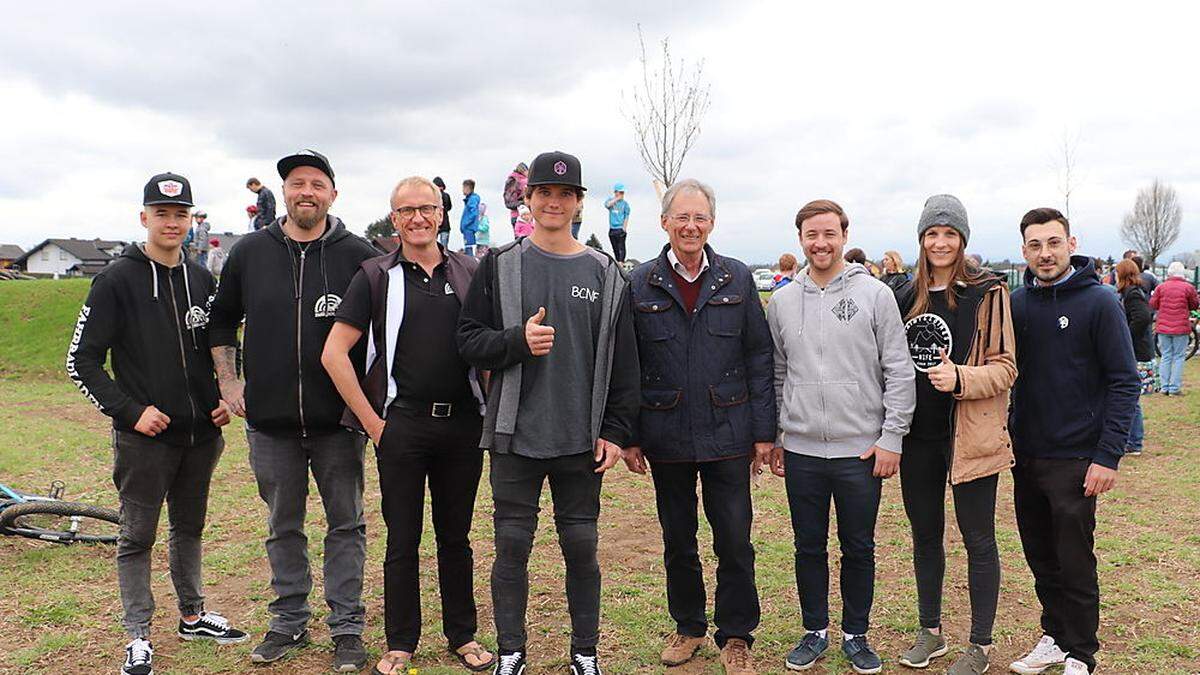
846,414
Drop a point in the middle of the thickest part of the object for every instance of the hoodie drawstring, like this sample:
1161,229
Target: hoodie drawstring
187,291
324,277
154,279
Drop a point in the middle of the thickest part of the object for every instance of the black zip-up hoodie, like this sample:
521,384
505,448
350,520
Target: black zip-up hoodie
1078,385
288,294
152,318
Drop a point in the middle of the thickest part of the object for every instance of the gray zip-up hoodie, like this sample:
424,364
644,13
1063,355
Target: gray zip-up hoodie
844,380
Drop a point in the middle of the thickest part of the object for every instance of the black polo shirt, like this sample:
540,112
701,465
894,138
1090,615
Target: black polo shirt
427,366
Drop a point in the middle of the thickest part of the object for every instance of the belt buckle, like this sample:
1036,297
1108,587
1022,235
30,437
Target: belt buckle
442,409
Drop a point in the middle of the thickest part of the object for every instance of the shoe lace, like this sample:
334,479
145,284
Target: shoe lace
508,664
140,652
587,664
675,640
214,619
739,654
1044,649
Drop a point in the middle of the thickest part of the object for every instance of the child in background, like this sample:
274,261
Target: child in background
524,225
483,237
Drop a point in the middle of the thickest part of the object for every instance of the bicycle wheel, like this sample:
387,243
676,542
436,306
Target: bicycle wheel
61,522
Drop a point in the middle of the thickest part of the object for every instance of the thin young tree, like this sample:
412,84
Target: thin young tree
666,109
1153,224
1066,155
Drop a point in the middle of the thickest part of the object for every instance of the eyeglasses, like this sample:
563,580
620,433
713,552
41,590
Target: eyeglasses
684,218
426,210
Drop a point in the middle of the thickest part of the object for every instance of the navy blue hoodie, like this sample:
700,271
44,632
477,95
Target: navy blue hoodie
1078,385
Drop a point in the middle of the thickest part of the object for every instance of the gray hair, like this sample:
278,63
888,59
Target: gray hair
416,181
691,185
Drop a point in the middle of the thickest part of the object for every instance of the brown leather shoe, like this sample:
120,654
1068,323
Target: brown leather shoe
736,658
680,649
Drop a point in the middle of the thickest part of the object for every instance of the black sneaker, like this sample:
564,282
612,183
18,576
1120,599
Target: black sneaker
863,659
510,663
812,646
211,626
138,658
276,645
584,664
349,654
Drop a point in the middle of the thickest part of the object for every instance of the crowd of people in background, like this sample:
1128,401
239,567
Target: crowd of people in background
550,356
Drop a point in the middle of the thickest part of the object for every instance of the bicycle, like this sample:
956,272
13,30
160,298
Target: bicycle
50,518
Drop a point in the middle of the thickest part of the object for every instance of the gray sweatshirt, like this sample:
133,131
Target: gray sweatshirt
844,380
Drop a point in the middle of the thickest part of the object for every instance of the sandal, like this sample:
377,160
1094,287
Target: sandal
393,662
477,651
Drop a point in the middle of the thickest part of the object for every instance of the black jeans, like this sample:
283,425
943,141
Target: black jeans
811,482
516,488
725,486
415,446
146,472
1057,525
923,477
617,238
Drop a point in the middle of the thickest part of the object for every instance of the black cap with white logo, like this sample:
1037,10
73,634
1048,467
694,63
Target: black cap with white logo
556,168
167,188
305,157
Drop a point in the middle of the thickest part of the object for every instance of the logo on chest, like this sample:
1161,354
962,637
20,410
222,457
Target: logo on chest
584,293
195,318
928,335
845,310
327,306
1063,322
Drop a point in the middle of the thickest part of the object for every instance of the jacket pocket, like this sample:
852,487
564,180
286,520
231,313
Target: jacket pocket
659,421
724,315
981,431
652,322
731,413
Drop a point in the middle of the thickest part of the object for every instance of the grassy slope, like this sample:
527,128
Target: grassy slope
36,320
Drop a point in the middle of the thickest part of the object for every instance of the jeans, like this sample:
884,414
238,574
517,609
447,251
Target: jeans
1174,349
446,451
469,242
811,482
923,477
726,491
444,238
146,472
516,489
1057,525
1137,430
575,229
616,236
281,464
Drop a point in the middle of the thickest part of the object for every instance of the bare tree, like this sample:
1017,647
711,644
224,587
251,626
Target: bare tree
1153,224
666,110
1065,157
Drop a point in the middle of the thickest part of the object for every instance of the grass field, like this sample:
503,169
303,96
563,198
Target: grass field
59,607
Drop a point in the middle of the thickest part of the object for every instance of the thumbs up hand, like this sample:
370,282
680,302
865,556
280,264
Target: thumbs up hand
539,338
944,376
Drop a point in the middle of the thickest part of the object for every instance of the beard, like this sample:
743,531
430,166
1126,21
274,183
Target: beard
308,222
1053,275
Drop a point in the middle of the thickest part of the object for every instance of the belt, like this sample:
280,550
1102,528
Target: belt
432,408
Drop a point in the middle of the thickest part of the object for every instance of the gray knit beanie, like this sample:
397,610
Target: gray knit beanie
944,210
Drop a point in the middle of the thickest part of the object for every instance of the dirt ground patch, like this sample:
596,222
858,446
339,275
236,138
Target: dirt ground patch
59,607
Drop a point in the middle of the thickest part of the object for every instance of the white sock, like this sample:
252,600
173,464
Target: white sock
824,633
847,637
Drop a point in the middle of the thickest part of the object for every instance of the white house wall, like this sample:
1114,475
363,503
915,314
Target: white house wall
50,259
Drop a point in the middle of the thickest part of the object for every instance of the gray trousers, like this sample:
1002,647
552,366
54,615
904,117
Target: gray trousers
146,472
281,465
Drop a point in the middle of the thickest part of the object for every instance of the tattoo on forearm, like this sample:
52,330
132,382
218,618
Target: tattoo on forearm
225,362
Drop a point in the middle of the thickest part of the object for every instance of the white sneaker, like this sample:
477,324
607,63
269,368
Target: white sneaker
1044,655
1075,667
138,657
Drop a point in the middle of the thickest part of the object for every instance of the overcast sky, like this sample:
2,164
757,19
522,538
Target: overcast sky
875,105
